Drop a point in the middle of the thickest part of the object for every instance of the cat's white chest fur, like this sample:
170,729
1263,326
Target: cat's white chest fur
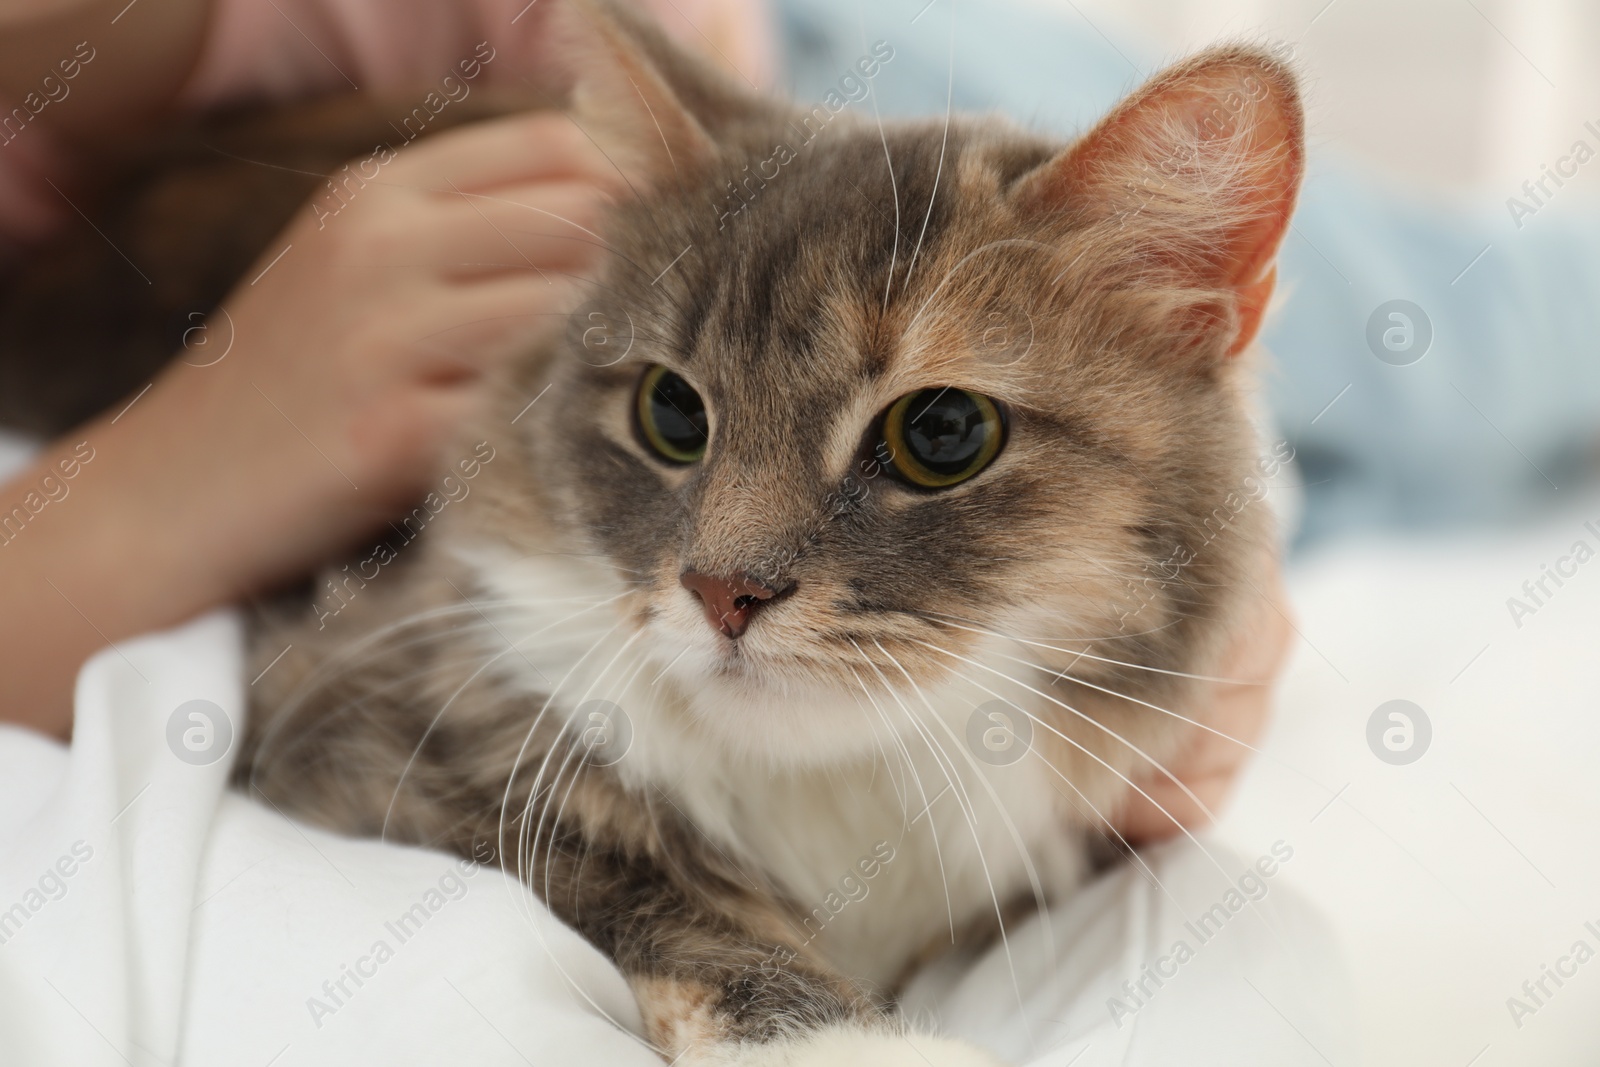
885,853
883,867
884,857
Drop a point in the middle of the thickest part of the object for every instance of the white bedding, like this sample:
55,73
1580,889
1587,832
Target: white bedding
167,920
198,927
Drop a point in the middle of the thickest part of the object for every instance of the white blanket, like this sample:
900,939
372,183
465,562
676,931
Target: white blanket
150,916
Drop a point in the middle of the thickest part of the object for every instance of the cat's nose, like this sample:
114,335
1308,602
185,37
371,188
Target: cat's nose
730,603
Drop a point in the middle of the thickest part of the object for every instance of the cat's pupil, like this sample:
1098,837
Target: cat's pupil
679,414
937,438
672,416
945,430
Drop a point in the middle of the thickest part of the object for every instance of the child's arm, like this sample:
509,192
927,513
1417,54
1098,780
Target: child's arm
1234,715
355,357
140,61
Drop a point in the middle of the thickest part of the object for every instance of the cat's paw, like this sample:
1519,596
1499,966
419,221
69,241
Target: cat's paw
853,1048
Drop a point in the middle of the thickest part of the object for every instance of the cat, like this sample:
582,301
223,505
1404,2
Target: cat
809,601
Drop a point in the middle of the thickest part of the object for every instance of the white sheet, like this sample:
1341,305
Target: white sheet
202,924
197,927
1454,880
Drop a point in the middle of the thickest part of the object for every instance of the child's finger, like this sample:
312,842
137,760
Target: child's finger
546,225
508,151
479,324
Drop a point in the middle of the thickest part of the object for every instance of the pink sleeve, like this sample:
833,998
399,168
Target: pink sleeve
29,209
281,48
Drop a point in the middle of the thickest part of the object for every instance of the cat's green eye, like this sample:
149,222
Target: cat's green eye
936,438
671,416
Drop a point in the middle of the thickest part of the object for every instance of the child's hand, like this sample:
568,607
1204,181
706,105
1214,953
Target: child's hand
357,355
354,359
1236,710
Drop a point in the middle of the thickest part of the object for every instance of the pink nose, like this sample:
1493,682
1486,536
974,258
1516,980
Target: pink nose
729,603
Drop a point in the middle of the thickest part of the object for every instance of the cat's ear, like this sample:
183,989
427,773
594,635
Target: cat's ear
619,68
1196,174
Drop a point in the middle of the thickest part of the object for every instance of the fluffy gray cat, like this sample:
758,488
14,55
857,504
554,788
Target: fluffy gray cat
810,599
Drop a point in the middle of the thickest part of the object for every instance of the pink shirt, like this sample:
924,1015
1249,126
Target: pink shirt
280,49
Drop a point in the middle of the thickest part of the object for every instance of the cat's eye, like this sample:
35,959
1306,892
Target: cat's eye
936,438
671,417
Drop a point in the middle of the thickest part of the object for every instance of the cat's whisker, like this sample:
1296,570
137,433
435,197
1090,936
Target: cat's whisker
1156,764
894,188
662,673
1104,659
942,619
555,957
922,792
901,793
337,661
958,787
638,665
598,240
944,143
1101,822
488,663
994,798
1104,822
1034,882
1135,700
1097,724
573,745
949,770
638,197
571,757
1000,243
517,764
394,796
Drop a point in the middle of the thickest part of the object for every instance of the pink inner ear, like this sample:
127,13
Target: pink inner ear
1202,165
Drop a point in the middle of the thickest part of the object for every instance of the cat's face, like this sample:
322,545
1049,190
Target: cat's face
890,417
